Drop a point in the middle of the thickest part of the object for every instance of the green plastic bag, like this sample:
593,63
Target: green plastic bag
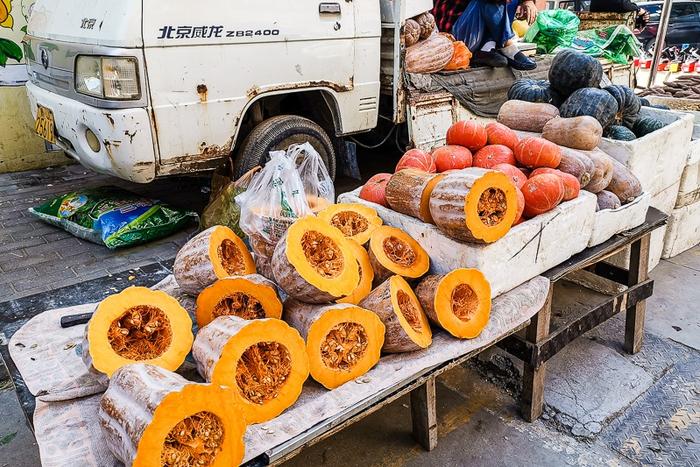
615,43
552,29
112,217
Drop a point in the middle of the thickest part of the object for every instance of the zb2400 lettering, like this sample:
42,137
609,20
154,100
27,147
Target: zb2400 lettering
251,33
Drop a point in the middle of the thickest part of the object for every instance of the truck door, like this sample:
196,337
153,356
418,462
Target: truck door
206,60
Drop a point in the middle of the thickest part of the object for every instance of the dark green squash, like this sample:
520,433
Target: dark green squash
619,132
530,90
594,102
645,103
645,125
628,104
571,70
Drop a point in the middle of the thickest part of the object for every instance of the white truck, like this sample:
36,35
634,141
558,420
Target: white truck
144,89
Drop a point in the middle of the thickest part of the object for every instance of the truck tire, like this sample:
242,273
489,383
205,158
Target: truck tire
277,134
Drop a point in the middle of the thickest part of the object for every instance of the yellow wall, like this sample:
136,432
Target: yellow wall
20,148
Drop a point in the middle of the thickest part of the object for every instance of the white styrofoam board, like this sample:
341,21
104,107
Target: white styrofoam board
683,230
657,159
690,179
609,222
526,251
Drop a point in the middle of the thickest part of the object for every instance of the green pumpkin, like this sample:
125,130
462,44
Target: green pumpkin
645,125
628,104
593,102
530,90
571,70
619,132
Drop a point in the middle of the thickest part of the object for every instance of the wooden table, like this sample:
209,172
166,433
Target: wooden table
627,291
535,343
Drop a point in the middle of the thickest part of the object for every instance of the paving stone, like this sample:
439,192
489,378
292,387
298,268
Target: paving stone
18,274
14,260
663,426
591,383
63,247
674,314
23,243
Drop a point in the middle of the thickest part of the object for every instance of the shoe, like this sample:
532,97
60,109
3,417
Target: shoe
521,62
492,59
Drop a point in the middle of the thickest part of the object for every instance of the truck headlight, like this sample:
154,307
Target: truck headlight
107,77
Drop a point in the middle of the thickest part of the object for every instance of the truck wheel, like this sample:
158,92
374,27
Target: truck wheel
277,134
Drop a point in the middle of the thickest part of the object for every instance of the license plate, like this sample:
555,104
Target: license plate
44,125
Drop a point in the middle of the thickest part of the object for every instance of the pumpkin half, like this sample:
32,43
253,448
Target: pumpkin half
248,297
407,327
355,220
153,417
314,262
393,251
212,254
343,341
474,205
459,302
264,360
364,285
137,325
408,192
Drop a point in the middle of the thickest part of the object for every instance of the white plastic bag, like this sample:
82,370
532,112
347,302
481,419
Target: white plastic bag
318,184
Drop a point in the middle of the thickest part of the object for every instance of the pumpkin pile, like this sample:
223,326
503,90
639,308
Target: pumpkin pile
428,51
354,289
573,90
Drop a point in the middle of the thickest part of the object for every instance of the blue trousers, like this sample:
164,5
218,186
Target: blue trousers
486,20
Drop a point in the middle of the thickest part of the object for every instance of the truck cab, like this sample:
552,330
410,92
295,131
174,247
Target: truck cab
141,89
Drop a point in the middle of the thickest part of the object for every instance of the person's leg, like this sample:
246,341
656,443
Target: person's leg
507,44
487,54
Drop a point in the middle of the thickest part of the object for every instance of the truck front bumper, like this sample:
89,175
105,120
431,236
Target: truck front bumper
126,148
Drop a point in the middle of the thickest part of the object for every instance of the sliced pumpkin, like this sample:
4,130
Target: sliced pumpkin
409,190
152,417
137,325
248,297
212,254
264,360
393,251
355,220
343,341
364,285
474,205
407,327
459,302
315,263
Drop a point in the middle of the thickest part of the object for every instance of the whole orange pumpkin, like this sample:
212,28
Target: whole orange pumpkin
467,133
542,193
492,155
375,188
513,172
416,159
538,152
452,157
572,186
498,133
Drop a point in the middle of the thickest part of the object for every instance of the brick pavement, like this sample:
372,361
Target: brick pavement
36,257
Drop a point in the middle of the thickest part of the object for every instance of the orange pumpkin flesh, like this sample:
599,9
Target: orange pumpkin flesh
409,190
474,205
490,156
498,133
364,286
417,159
407,327
452,157
356,221
542,194
263,359
212,254
467,133
343,341
373,190
393,251
459,302
248,297
538,152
